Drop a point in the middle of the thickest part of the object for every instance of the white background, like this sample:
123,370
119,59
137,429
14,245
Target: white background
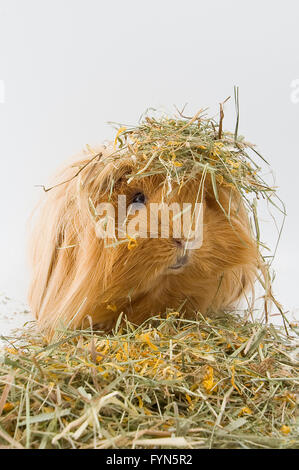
69,66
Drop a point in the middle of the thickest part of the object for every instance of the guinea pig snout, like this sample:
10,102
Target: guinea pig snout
180,262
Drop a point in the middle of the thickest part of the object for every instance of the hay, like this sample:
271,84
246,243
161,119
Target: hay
172,382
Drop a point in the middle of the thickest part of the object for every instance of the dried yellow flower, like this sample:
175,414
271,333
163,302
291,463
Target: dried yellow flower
132,243
245,411
208,379
8,407
120,130
285,429
146,339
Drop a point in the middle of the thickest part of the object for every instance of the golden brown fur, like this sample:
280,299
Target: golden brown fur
75,276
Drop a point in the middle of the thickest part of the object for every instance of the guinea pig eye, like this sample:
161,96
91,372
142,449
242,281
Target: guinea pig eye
138,198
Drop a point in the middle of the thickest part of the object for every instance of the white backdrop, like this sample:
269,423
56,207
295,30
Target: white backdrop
69,66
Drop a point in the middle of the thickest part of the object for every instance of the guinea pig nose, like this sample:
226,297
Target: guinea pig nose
179,242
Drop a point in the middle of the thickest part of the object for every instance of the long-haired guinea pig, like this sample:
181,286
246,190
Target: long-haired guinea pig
77,275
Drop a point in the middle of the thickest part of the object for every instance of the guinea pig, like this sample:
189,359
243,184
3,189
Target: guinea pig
77,274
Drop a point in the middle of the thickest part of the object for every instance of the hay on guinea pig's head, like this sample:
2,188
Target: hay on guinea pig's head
77,273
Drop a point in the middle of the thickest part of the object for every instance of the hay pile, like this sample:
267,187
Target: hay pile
216,383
